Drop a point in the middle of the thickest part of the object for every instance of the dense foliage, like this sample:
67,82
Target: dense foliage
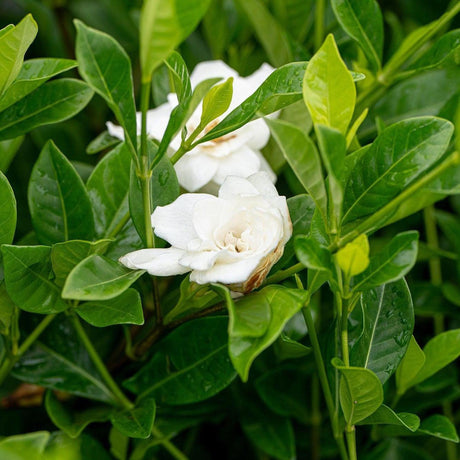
347,349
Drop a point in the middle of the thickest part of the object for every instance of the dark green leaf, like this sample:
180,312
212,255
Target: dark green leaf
53,102
392,263
313,255
73,422
7,308
180,76
28,279
383,325
98,278
102,142
362,20
123,309
104,64
8,150
386,416
58,202
8,213
33,74
191,364
138,421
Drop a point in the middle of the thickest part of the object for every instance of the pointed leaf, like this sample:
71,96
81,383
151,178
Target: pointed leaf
410,365
313,255
217,101
386,416
439,426
136,422
8,213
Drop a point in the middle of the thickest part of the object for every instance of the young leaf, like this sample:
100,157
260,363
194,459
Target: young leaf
136,422
353,258
73,422
392,263
361,392
328,88
14,43
28,278
104,64
383,324
386,416
24,446
362,20
33,74
410,365
402,153
163,26
216,102
191,364
123,309
180,78
8,213
54,101
98,278
257,320
108,189
439,426
58,202
302,156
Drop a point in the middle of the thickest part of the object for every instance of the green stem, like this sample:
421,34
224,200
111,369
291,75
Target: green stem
187,145
323,379
350,434
319,22
9,362
281,275
168,445
372,222
100,366
344,331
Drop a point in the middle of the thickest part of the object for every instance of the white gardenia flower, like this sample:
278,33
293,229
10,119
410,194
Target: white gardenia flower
237,153
233,239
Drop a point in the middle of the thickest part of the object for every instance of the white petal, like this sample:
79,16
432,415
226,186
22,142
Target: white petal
230,273
259,134
211,214
115,130
159,262
265,167
194,170
157,120
235,186
199,260
211,69
243,163
174,222
263,183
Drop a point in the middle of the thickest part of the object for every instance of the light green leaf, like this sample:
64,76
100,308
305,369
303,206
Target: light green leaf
410,365
362,20
55,101
386,416
217,101
439,426
361,392
123,309
138,421
8,213
14,43
104,64
98,278
353,258
328,88
7,308
392,263
8,149
24,446
58,202
28,278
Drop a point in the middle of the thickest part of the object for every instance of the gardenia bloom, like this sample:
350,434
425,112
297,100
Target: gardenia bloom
237,153
233,239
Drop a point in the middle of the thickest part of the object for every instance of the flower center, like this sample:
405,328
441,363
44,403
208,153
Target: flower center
235,242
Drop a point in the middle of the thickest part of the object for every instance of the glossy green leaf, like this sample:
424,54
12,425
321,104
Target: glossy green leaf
104,64
136,422
163,26
362,20
361,392
271,35
102,142
392,263
313,255
33,74
386,416
8,149
271,433
401,154
383,325
191,364
302,156
328,88
353,258
217,101
73,422
123,309
257,320
24,446
7,308
108,189
164,189
410,365
58,202
65,256
28,279
180,79
439,426
14,43
8,213
55,101
98,278
59,361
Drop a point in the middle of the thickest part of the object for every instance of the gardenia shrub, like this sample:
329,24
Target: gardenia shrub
253,263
